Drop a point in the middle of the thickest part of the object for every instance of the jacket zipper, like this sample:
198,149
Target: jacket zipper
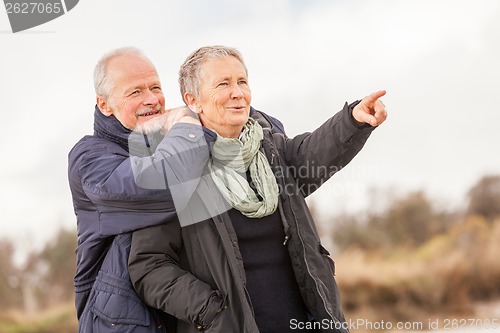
309,271
286,227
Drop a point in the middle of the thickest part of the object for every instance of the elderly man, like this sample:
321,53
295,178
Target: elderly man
120,178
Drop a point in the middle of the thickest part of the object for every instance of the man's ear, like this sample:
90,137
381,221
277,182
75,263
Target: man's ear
103,105
191,102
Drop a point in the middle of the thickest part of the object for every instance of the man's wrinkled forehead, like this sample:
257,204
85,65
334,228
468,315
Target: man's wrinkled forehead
132,70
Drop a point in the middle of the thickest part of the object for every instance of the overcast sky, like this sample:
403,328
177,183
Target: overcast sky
437,59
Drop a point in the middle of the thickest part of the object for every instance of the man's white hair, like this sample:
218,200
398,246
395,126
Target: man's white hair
102,85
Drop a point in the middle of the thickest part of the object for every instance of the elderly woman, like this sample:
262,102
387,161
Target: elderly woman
245,255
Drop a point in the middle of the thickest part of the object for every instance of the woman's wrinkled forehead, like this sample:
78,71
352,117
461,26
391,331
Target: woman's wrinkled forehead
208,65
189,73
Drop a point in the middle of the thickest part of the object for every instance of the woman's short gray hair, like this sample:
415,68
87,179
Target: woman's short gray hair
189,74
103,87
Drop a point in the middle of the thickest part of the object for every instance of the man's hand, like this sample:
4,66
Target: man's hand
371,110
180,115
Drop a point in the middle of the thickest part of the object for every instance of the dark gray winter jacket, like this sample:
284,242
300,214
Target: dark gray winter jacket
194,270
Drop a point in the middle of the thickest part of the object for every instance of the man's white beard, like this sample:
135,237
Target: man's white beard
153,125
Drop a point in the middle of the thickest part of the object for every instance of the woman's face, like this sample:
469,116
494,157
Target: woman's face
224,96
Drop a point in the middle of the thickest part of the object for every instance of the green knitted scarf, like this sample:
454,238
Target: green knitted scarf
231,158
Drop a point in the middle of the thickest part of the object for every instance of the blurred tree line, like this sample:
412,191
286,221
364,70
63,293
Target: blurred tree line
43,281
46,278
414,259
413,219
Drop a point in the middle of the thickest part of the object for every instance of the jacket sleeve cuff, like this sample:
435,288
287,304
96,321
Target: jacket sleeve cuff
352,123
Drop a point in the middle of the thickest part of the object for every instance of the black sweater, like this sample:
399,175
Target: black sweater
271,283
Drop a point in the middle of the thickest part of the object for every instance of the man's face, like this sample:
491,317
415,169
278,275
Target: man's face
136,96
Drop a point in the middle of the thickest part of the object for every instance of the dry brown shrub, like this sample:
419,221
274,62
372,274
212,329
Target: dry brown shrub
445,275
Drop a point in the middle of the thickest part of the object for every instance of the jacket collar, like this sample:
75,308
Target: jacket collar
111,129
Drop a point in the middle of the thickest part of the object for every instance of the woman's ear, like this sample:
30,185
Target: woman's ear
104,106
191,102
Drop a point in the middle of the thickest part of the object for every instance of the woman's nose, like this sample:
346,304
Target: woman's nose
236,91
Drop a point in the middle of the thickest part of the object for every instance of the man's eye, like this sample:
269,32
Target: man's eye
135,92
156,88
222,84
242,82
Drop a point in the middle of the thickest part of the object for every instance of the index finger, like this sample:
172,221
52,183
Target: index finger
372,98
